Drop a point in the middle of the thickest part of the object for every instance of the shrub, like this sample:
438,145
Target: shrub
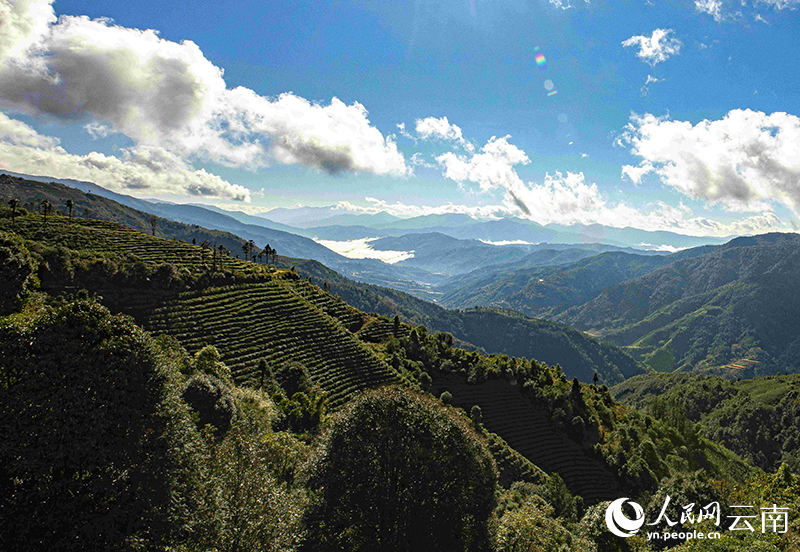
91,438
212,401
396,471
207,361
17,272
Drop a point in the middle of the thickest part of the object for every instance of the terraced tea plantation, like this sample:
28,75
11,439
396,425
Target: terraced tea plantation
273,321
531,432
110,237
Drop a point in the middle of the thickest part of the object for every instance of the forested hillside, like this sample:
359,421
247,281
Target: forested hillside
509,333
731,310
758,418
547,291
251,409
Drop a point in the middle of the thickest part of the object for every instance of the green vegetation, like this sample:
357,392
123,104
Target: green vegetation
396,471
252,410
272,321
547,291
92,434
758,419
730,311
597,446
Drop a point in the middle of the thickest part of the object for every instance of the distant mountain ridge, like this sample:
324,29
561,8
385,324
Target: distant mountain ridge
547,290
492,330
732,310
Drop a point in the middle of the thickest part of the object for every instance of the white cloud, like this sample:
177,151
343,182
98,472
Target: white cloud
746,161
710,7
333,138
563,4
431,127
168,95
568,199
492,168
727,10
141,170
645,89
361,249
780,4
417,160
404,133
404,210
23,25
636,173
657,47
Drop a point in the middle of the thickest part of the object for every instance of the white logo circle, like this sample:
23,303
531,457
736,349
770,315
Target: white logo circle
618,523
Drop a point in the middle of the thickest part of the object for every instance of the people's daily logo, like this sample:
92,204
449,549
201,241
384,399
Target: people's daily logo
620,524
678,524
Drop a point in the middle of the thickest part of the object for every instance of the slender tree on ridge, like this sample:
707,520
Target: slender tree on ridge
14,203
70,204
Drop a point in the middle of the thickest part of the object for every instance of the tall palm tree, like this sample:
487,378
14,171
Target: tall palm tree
245,247
45,208
267,252
14,203
274,253
70,205
251,245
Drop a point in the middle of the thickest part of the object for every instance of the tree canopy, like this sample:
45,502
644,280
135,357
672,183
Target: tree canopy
398,471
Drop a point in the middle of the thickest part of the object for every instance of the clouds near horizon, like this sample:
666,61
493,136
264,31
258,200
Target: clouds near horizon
745,161
142,169
169,96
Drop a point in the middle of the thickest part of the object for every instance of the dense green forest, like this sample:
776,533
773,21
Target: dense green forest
547,291
156,394
758,418
726,310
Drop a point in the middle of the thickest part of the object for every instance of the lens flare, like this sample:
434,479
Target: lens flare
541,62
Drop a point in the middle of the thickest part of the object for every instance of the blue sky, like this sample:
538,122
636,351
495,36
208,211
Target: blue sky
679,116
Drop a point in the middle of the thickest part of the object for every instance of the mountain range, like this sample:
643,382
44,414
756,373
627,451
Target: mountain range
719,308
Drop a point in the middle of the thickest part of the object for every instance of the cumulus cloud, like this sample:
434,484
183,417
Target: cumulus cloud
567,198
168,95
149,169
492,168
431,127
655,48
23,25
745,161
